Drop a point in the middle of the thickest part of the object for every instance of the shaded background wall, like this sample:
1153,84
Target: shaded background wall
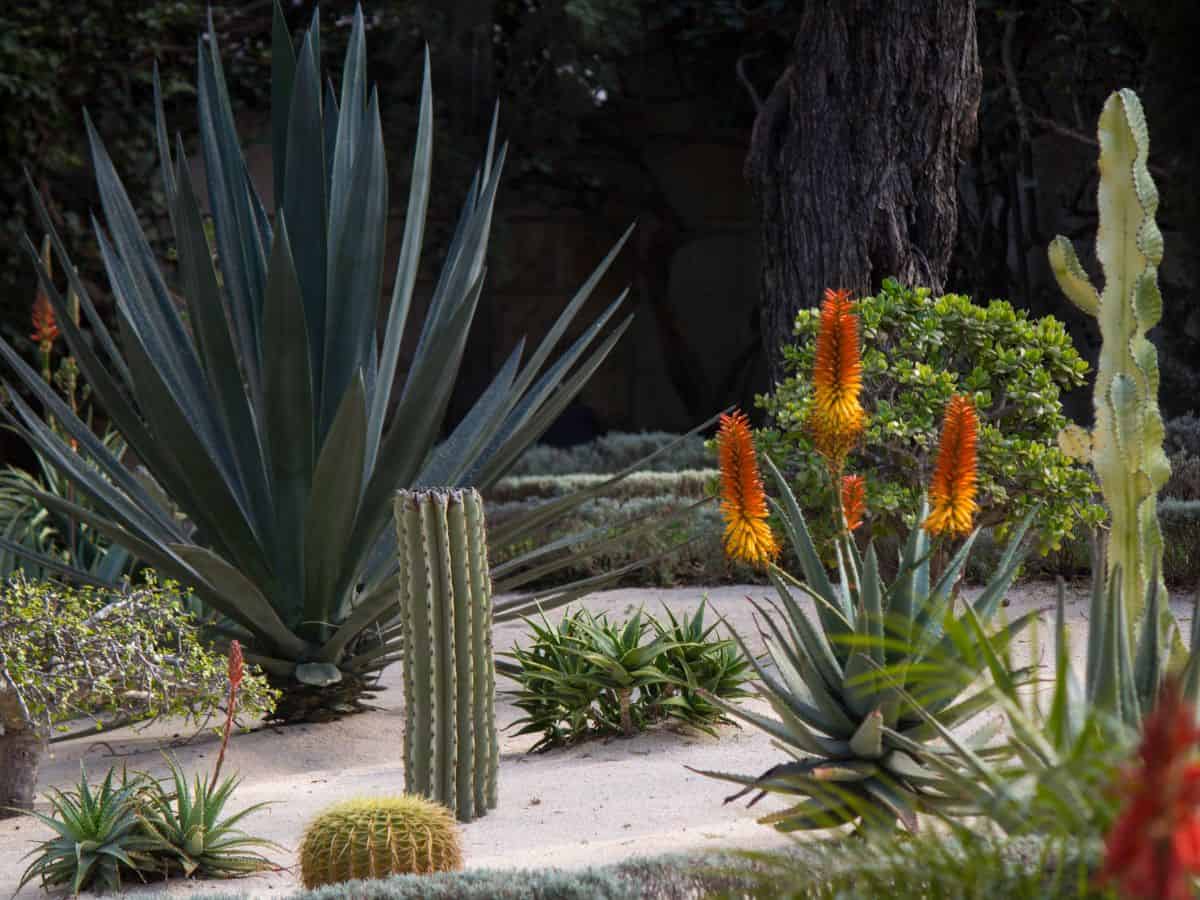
623,110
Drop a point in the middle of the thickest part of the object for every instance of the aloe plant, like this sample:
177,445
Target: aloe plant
851,705
258,392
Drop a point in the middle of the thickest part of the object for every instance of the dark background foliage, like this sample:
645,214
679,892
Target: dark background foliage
588,89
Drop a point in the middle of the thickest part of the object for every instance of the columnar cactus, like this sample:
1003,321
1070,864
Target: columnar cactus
451,748
1127,439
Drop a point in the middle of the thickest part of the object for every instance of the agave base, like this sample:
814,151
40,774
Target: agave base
304,703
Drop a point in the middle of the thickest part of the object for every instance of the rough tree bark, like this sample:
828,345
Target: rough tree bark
855,153
21,748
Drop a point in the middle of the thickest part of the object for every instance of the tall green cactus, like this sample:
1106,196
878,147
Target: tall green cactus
451,748
1127,439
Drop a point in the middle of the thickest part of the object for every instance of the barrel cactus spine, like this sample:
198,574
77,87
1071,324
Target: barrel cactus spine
451,746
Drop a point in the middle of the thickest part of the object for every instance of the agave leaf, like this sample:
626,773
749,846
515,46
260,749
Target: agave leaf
800,677
406,267
867,740
812,639
334,503
802,544
307,210
1150,662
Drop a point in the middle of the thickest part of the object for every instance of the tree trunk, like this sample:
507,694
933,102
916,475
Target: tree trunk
21,748
855,154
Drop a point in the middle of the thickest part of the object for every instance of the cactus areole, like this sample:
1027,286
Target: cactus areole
1127,440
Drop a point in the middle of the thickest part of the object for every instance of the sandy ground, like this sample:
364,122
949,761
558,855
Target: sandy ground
596,803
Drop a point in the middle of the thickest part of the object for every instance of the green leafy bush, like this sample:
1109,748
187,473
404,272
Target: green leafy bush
89,653
917,351
102,656
588,676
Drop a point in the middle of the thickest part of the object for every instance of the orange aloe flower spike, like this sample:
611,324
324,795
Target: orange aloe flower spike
952,489
837,419
748,535
854,500
45,325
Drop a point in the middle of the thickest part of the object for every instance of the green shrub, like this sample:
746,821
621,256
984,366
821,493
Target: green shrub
917,351
109,658
588,677
612,453
92,654
688,483
670,877
1183,435
697,557
1180,522
1184,482
935,865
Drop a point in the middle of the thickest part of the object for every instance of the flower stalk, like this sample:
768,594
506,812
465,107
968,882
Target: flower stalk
236,672
953,486
748,535
837,419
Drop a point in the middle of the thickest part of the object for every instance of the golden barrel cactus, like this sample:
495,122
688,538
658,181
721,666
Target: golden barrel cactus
379,836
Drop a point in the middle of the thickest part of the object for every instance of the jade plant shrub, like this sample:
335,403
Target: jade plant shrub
589,677
919,350
67,654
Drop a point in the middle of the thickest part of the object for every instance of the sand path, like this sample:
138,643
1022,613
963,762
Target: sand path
592,804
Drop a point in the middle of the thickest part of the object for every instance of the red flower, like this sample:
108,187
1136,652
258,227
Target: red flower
1153,849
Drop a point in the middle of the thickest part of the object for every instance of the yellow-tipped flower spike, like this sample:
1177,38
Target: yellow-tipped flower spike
837,419
952,490
748,537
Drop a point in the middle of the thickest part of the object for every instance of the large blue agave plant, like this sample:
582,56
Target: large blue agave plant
258,391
